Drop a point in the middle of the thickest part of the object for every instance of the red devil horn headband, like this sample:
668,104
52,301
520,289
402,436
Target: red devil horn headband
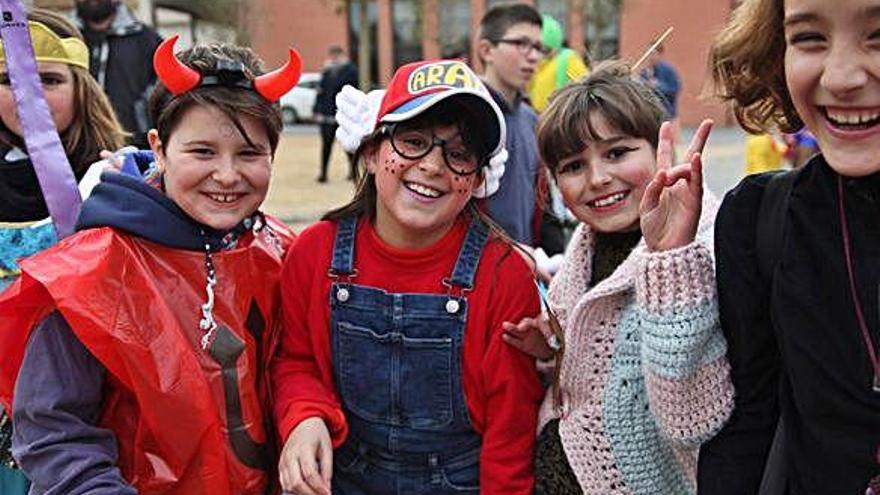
176,76
180,78
274,84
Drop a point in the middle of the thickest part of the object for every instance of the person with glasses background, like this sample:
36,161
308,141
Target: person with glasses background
393,305
509,48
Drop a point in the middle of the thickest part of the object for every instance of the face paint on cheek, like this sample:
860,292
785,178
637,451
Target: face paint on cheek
396,166
465,190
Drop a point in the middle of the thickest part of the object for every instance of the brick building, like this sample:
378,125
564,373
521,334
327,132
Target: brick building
405,30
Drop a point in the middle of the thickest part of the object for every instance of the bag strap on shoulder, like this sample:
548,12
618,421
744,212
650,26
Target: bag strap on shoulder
769,243
770,234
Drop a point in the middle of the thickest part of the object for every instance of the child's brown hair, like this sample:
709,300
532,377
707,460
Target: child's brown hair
166,110
629,106
747,63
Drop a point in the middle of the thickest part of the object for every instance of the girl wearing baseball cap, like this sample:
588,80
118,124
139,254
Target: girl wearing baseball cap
390,374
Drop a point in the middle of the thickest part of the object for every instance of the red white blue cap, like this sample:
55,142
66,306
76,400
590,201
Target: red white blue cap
418,86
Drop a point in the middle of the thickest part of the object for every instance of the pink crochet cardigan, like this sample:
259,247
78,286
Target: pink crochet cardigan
644,378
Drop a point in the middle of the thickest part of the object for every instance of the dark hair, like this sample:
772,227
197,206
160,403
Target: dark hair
628,104
499,19
166,110
747,63
447,112
94,126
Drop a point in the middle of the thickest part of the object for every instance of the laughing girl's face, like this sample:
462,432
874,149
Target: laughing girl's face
832,69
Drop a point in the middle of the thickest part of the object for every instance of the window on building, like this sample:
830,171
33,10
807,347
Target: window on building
407,31
356,8
454,19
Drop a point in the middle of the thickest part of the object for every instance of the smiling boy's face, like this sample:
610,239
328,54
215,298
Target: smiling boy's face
210,170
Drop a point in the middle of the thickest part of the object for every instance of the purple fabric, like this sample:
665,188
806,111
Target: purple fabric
43,144
58,398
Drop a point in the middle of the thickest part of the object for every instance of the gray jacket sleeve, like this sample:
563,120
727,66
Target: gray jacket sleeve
58,398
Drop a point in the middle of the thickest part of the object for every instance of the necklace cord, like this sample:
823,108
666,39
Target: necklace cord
866,334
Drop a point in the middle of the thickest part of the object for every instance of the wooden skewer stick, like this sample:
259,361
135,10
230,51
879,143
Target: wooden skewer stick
651,49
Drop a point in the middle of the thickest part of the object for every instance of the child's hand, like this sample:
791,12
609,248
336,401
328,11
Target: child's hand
114,161
670,208
530,336
306,464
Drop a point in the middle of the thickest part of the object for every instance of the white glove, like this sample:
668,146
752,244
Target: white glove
549,264
492,178
356,114
92,177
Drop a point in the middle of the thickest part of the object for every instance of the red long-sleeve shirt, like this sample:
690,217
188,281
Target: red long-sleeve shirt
500,384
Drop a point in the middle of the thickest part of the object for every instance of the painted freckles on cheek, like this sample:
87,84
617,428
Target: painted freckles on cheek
463,184
391,165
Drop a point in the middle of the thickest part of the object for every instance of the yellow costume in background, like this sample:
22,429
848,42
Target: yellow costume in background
561,67
763,153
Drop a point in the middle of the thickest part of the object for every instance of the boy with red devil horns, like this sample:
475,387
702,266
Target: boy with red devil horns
133,350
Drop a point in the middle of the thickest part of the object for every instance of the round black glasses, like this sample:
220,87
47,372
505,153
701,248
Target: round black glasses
414,144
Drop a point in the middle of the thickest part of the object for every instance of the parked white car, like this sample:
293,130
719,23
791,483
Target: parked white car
298,104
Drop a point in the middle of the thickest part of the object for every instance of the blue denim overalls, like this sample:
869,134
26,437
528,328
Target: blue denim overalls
397,365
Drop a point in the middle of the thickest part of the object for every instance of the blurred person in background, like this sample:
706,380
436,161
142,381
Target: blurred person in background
764,152
121,52
561,65
510,48
338,72
663,77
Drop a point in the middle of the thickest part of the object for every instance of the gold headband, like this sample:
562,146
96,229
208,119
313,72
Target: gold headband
49,47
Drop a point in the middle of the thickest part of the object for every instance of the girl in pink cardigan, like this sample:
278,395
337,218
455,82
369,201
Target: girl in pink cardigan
644,379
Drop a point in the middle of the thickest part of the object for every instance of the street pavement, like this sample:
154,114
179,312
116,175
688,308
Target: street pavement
298,199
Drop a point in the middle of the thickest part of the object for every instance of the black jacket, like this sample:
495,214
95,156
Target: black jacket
122,62
333,78
794,344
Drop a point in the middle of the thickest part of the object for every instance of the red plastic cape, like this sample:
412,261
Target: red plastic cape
136,306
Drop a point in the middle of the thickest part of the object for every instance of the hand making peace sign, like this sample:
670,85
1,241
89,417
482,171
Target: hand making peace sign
670,208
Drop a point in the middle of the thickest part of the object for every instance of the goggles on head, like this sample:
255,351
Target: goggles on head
180,78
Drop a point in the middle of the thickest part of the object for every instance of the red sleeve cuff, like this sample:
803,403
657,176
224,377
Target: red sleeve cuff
333,418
